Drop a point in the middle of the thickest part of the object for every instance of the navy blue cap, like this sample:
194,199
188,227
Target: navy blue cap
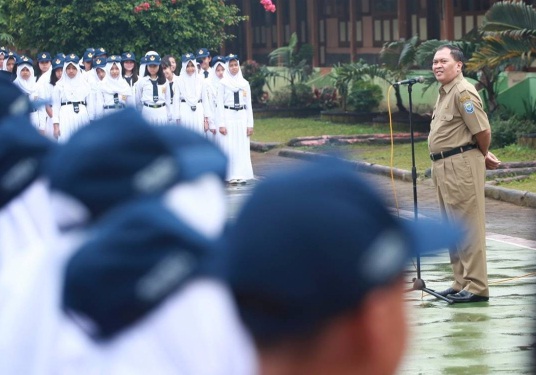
3,50
216,59
113,58
130,159
12,100
24,60
12,55
187,57
100,52
231,56
88,56
60,55
99,62
128,56
152,60
202,53
22,151
72,58
136,257
310,244
57,62
143,60
44,57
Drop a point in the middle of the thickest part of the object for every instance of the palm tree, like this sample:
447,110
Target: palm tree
297,68
399,57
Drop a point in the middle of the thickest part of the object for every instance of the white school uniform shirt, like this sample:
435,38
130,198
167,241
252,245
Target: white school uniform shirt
236,144
144,100
188,106
30,89
108,88
70,90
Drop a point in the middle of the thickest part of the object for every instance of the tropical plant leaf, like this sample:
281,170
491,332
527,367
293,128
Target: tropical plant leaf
515,19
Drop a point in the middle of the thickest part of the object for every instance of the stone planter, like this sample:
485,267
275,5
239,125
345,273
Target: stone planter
527,140
285,112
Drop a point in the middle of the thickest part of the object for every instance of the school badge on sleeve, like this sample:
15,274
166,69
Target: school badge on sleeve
469,107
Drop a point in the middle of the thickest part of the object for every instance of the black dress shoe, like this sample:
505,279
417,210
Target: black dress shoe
465,296
448,291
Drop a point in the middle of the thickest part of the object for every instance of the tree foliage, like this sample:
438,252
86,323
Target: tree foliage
167,26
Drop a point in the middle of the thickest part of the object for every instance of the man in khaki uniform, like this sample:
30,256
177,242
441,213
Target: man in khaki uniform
458,143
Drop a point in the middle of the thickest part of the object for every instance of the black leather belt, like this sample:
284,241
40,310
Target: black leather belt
454,151
235,108
184,101
73,103
153,105
115,106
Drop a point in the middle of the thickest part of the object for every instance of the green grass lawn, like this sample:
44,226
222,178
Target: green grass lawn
283,129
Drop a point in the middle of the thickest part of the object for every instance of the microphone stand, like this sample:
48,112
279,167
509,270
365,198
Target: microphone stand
418,283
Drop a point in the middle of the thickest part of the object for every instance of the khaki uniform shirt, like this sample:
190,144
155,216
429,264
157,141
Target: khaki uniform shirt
458,116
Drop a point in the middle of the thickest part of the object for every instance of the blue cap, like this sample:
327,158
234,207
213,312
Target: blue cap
44,57
187,57
153,60
22,151
12,55
100,52
60,55
99,62
231,56
310,244
3,50
57,62
143,60
202,53
88,56
129,159
113,58
216,59
138,255
72,58
24,60
128,56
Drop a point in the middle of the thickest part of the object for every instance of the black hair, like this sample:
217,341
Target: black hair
53,78
161,77
134,71
455,52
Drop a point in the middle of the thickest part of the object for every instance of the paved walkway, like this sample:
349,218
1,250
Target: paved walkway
482,338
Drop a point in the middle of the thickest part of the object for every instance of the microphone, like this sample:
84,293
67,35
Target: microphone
411,81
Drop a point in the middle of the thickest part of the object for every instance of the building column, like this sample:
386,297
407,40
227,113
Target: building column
312,20
280,26
292,16
351,30
248,29
447,22
404,22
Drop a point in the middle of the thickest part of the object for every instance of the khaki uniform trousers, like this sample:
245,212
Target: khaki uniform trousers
459,182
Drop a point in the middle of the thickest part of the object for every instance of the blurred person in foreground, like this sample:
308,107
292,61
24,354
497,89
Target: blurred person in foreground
315,263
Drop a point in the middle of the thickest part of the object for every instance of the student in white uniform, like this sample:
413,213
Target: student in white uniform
114,92
203,62
188,105
235,121
130,71
26,82
94,78
44,62
69,100
153,98
210,96
171,78
45,91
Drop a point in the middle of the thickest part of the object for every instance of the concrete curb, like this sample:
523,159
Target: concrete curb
262,146
517,197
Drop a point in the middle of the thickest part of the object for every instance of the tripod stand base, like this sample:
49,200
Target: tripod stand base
418,284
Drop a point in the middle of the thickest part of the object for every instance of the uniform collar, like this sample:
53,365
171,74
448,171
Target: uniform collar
452,83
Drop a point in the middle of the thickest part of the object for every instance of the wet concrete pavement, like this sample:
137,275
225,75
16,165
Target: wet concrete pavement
478,338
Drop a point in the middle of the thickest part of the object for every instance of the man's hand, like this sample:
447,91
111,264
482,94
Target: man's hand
223,130
491,161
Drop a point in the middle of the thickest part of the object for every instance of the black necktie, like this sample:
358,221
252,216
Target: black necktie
237,99
205,73
171,90
129,79
155,90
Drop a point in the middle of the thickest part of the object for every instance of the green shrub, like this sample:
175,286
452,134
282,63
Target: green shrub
255,74
505,131
282,97
364,96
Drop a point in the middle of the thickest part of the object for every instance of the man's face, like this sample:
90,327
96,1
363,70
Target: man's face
444,66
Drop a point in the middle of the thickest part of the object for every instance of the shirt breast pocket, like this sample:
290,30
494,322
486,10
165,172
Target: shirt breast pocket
447,117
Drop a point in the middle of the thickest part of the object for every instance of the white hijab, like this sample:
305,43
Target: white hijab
112,85
236,82
190,86
74,89
26,85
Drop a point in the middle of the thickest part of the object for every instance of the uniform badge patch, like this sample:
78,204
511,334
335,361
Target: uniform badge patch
469,107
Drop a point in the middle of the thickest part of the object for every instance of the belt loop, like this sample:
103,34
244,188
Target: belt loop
442,157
